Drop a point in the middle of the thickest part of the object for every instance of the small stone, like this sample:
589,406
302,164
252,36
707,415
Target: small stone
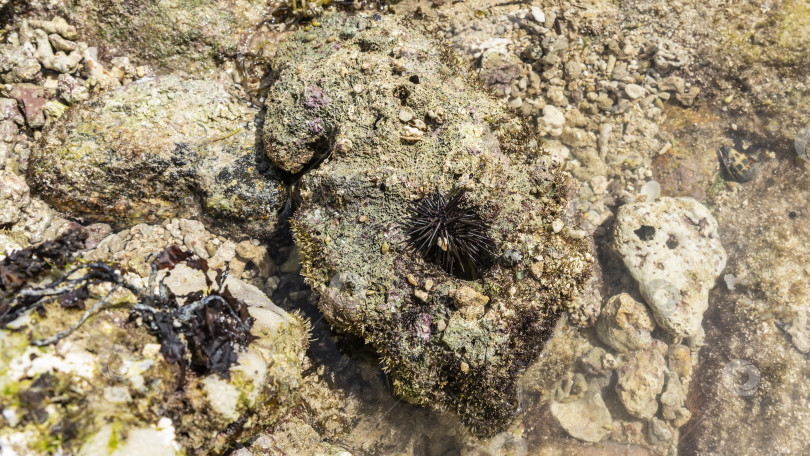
413,280
635,91
625,324
465,367
577,137
586,418
422,295
343,145
688,98
150,350
32,98
470,302
672,84
641,379
552,121
557,225
406,114
537,269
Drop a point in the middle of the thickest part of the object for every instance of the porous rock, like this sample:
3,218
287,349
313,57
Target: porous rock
436,353
641,380
671,247
156,149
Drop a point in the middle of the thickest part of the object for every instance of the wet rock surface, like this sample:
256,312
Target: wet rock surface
643,91
672,249
352,222
625,324
159,148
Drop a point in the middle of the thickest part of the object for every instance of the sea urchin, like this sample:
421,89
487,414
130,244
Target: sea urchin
451,234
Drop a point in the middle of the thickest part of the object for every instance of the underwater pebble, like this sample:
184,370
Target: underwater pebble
586,418
625,324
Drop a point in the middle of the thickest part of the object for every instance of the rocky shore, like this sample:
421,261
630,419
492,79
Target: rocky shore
639,166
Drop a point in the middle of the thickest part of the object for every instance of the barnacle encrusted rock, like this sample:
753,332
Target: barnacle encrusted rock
446,342
157,149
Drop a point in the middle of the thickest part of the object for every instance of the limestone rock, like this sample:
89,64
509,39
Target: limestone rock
672,249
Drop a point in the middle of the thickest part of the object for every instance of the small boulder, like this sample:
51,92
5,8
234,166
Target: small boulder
163,148
672,249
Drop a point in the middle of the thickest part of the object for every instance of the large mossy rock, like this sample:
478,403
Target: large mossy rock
158,149
394,119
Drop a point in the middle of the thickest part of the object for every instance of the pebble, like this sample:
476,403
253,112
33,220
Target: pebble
406,114
634,91
625,324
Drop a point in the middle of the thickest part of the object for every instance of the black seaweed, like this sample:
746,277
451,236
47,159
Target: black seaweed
204,335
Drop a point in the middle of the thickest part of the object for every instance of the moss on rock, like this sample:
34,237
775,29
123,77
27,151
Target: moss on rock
394,118
167,147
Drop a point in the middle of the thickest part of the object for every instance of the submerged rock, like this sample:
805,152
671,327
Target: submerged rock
582,414
157,149
672,249
641,380
625,324
397,120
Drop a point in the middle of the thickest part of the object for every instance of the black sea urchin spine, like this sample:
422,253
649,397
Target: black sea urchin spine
451,234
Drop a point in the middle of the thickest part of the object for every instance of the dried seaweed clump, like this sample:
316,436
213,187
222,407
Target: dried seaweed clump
205,334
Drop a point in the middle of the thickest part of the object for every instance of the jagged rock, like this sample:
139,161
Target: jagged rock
352,222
